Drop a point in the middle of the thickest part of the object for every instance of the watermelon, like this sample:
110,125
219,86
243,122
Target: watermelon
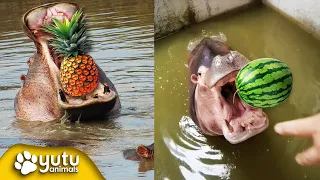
264,83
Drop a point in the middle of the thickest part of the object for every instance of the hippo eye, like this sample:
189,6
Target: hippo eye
199,74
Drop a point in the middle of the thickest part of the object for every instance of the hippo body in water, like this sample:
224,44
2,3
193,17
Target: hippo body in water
213,67
40,97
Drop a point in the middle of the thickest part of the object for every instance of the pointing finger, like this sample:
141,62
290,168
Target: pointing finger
312,155
301,127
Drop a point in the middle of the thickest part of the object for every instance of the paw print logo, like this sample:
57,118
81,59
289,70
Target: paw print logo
26,163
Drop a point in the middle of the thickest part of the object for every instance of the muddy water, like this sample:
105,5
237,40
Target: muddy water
122,34
184,153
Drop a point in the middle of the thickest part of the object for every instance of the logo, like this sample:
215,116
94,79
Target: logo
27,163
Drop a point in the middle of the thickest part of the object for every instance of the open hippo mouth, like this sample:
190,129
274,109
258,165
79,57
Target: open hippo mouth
214,105
241,120
46,64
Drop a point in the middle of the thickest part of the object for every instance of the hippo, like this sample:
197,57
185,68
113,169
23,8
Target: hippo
143,154
214,104
40,97
140,153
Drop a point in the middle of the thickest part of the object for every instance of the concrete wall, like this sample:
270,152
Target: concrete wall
304,12
172,15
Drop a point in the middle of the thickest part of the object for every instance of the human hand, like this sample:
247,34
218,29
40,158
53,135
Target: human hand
308,127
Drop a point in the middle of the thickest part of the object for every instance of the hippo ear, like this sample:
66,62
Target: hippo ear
194,78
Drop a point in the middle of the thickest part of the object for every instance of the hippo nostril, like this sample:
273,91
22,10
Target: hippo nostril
106,88
62,96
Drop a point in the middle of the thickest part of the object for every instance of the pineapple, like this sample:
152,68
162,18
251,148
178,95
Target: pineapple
78,72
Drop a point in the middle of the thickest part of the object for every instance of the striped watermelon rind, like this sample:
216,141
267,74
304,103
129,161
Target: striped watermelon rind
264,83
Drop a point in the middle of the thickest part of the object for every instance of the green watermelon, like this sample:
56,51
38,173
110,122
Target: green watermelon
264,83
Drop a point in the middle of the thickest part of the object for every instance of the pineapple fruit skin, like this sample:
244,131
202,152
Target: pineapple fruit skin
79,75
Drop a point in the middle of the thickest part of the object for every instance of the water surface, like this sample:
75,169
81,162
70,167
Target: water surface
182,152
122,34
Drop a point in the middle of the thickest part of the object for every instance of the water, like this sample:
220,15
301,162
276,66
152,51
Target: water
182,152
122,34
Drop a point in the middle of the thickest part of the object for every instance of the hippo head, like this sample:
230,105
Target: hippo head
41,97
214,105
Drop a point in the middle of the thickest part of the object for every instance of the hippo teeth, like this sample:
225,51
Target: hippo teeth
229,126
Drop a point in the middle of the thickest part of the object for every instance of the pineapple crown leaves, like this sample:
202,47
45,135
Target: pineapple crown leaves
70,36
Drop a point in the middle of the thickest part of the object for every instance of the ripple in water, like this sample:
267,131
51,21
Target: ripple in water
194,153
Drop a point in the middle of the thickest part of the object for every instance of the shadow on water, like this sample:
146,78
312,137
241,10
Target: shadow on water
122,35
182,152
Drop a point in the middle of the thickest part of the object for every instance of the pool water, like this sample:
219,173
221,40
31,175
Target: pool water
182,152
